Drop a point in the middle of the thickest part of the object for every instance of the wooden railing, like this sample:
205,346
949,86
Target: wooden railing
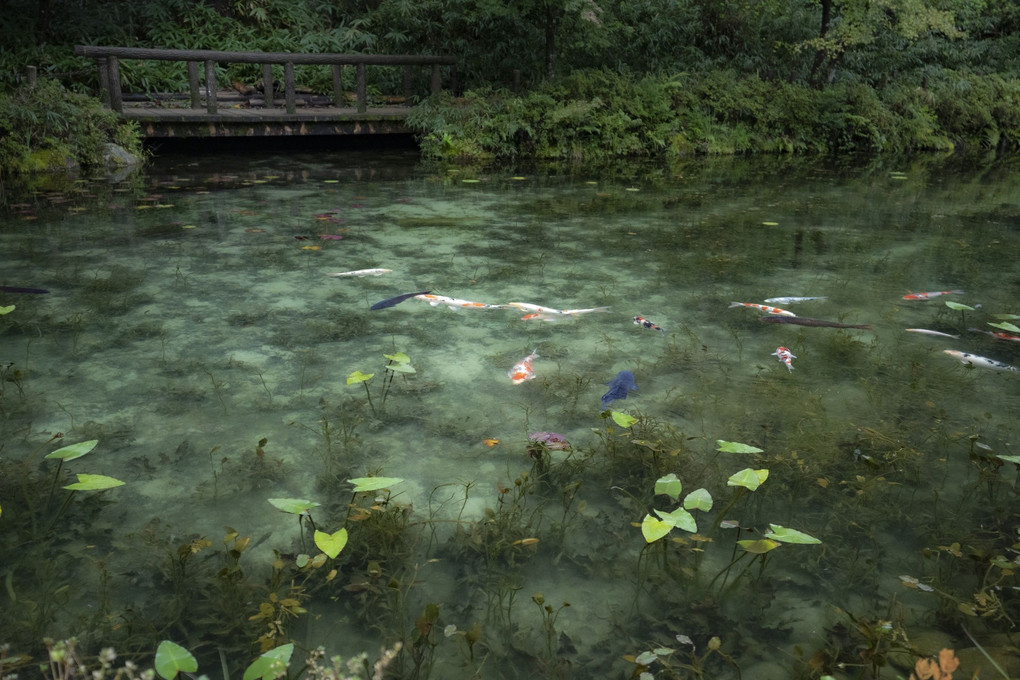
108,61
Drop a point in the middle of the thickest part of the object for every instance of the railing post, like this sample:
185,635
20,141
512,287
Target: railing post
104,80
437,79
453,80
288,86
113,82
362,89
31,73
210,86
338,85
196,95
267,86
408,77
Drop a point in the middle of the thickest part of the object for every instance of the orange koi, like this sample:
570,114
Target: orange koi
522,369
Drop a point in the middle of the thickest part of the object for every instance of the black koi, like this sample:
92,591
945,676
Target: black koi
389,302
818,323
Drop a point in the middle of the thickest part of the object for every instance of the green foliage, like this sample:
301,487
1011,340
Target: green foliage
46,127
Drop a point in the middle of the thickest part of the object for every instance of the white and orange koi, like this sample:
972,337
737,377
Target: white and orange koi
522,369
786,356
997,334
975,360
538,316
932,294
528,307
775,311
455,303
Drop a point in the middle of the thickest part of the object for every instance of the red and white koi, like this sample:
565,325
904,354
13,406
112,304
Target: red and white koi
538,316
932,294
786,356
975,360
455,303
378,271
926,331
775,311
522,369
645,323
997,334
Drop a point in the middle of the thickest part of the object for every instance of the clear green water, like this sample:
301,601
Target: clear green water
190,316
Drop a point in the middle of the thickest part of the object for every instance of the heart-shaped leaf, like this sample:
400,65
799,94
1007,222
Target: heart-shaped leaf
699,499
270,665
74,450
748,478
1009,459
653,529
736,447
1012,328
93,483
401,368
373,483
358,377
779,533
295,506
398,358
622,419
172,659
958,306
679,518
669,485
6,310
331,544
760,546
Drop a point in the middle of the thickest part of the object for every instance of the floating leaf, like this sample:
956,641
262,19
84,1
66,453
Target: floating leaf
1006,317
1006,326
93,483
398,358
74,450
785,535
1009,459
6,310
172,659
958,306
295,506
331,544
760,546
373,483
680,518
653,529
771,224
622,419
646,658
748,478
401,368
358,377
270,664
669,485
736,447
699,499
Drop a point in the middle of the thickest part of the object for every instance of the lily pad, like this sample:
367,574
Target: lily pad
680,518
736,447
699,499
93,483
6,310
1006,326
622,419
401,368
760,546
295,506
74,450
373,483
748,478
269,665
653,529
784,535
669,485
331,544
398,358
958,306
359,377
172,659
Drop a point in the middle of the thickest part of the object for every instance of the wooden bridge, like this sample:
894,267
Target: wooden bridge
209,111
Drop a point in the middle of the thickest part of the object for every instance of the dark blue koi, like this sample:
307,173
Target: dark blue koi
390,302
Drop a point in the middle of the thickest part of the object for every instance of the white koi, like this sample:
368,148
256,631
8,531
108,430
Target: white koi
378,271
522,369
792,300
786,356
528,307
455,303
975,360
930,332
576,312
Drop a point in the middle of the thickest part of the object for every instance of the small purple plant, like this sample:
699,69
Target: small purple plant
552,440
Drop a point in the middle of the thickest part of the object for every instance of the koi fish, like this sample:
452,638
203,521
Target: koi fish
24,291
490,442
764,308
932,294
791,300
528,307
455,303
938,333
618,388
378,271
541,317
786,356
975,360
645,323
817,323
996,334
522,369
389,302
578,312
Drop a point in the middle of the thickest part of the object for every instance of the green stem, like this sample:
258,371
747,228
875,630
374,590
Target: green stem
369,395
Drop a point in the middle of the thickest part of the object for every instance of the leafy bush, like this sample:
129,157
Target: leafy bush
48,127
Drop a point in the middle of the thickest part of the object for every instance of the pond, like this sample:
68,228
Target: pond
817,490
